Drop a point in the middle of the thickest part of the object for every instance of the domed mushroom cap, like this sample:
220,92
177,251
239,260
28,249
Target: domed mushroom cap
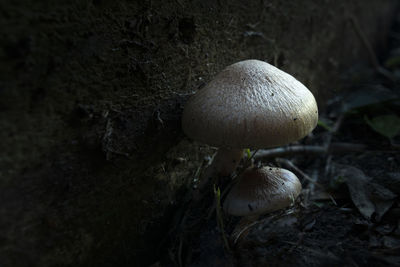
250,104
262,190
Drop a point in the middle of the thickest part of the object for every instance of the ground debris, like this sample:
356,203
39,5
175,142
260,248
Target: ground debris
372,199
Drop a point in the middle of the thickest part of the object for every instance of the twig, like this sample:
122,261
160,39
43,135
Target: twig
311,150
244,229
314,177
254,153
328,144
334,130
247,223
333,200
298,243
180,251
394,144
372,56
289,165
290,150
328,166
317,253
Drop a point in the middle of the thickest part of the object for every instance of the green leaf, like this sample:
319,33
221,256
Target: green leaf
370,95
392,62
386,125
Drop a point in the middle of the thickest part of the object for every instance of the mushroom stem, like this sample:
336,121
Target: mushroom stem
223,164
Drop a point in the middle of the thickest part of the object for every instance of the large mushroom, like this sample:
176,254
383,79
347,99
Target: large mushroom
249,104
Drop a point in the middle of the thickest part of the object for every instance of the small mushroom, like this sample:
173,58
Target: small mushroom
250,104
262,190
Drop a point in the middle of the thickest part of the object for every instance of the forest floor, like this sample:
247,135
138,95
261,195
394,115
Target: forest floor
349,211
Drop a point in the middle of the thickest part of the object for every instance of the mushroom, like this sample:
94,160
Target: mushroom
249,104
260,191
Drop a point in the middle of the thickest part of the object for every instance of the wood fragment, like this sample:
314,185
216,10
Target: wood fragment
287,164
309,150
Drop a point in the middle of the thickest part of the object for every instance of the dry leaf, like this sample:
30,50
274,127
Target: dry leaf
371,199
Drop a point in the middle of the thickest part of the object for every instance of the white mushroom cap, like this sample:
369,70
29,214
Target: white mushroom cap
250,104
262,190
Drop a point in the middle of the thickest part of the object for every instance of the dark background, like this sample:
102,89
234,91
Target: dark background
92,156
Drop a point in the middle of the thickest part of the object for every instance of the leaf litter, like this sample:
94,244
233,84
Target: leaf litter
371,199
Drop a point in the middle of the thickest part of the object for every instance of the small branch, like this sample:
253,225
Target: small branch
328,166
180,251
244,230
394,145
372,56
338,123
287,164
327,143
334,130
290,150
310,150
340,147
246,223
